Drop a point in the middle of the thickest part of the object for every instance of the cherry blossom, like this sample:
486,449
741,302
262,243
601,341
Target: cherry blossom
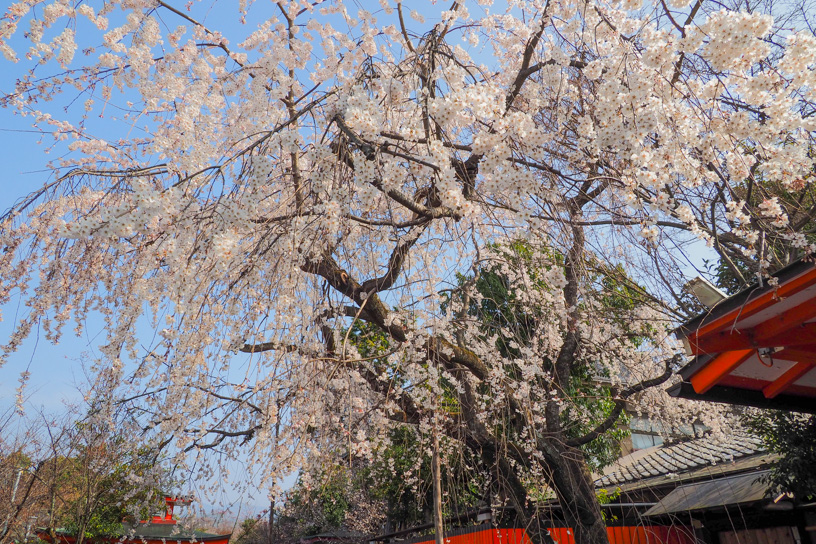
252,182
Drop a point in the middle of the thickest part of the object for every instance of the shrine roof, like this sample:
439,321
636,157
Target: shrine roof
757,347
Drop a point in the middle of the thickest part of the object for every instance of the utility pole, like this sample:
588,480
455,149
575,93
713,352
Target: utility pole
19,471
437,484
271,519
272,496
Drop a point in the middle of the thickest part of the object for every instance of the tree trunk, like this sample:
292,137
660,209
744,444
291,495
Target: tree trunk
569,477
572,482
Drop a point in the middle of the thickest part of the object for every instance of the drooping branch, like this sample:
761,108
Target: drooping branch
620,403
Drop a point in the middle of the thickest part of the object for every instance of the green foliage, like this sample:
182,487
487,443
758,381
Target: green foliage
370,341
499,309
334,500
724,277
592,398
323,508
620,295
409,505
100,490
399,458
248,531
733,271
793,437
501,315
103,479
103,512
605,497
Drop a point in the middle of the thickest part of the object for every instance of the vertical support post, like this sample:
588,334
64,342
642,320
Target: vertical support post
13,499
271,520
437,485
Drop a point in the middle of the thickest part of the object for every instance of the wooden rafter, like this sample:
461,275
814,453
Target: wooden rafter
717,368
787,379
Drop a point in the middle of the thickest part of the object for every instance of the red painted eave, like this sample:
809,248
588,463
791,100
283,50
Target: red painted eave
762,340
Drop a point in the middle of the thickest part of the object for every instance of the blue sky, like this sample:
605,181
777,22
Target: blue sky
54,372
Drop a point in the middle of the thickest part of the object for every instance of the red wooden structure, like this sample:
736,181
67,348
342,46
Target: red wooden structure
642,534
169,504
758,347
480,534
158,530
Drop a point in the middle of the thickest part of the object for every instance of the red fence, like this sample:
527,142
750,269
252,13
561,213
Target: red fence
640,534
479,535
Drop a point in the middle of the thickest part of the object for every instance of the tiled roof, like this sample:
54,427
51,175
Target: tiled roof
682,457
170,532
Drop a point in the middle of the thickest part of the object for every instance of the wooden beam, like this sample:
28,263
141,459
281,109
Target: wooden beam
752,307
708,376
719,341
798,337
786,320
789,330
787,379
800,354
732,395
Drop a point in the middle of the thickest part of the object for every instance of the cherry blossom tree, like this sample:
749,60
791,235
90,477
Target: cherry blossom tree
249,182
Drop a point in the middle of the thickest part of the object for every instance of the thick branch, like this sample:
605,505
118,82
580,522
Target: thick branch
620,403
451,353
395,262
267,346
376,312
526,58
248,434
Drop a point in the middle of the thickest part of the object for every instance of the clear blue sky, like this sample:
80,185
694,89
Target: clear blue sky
53,367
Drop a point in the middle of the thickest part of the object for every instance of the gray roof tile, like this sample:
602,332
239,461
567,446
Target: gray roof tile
680,457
